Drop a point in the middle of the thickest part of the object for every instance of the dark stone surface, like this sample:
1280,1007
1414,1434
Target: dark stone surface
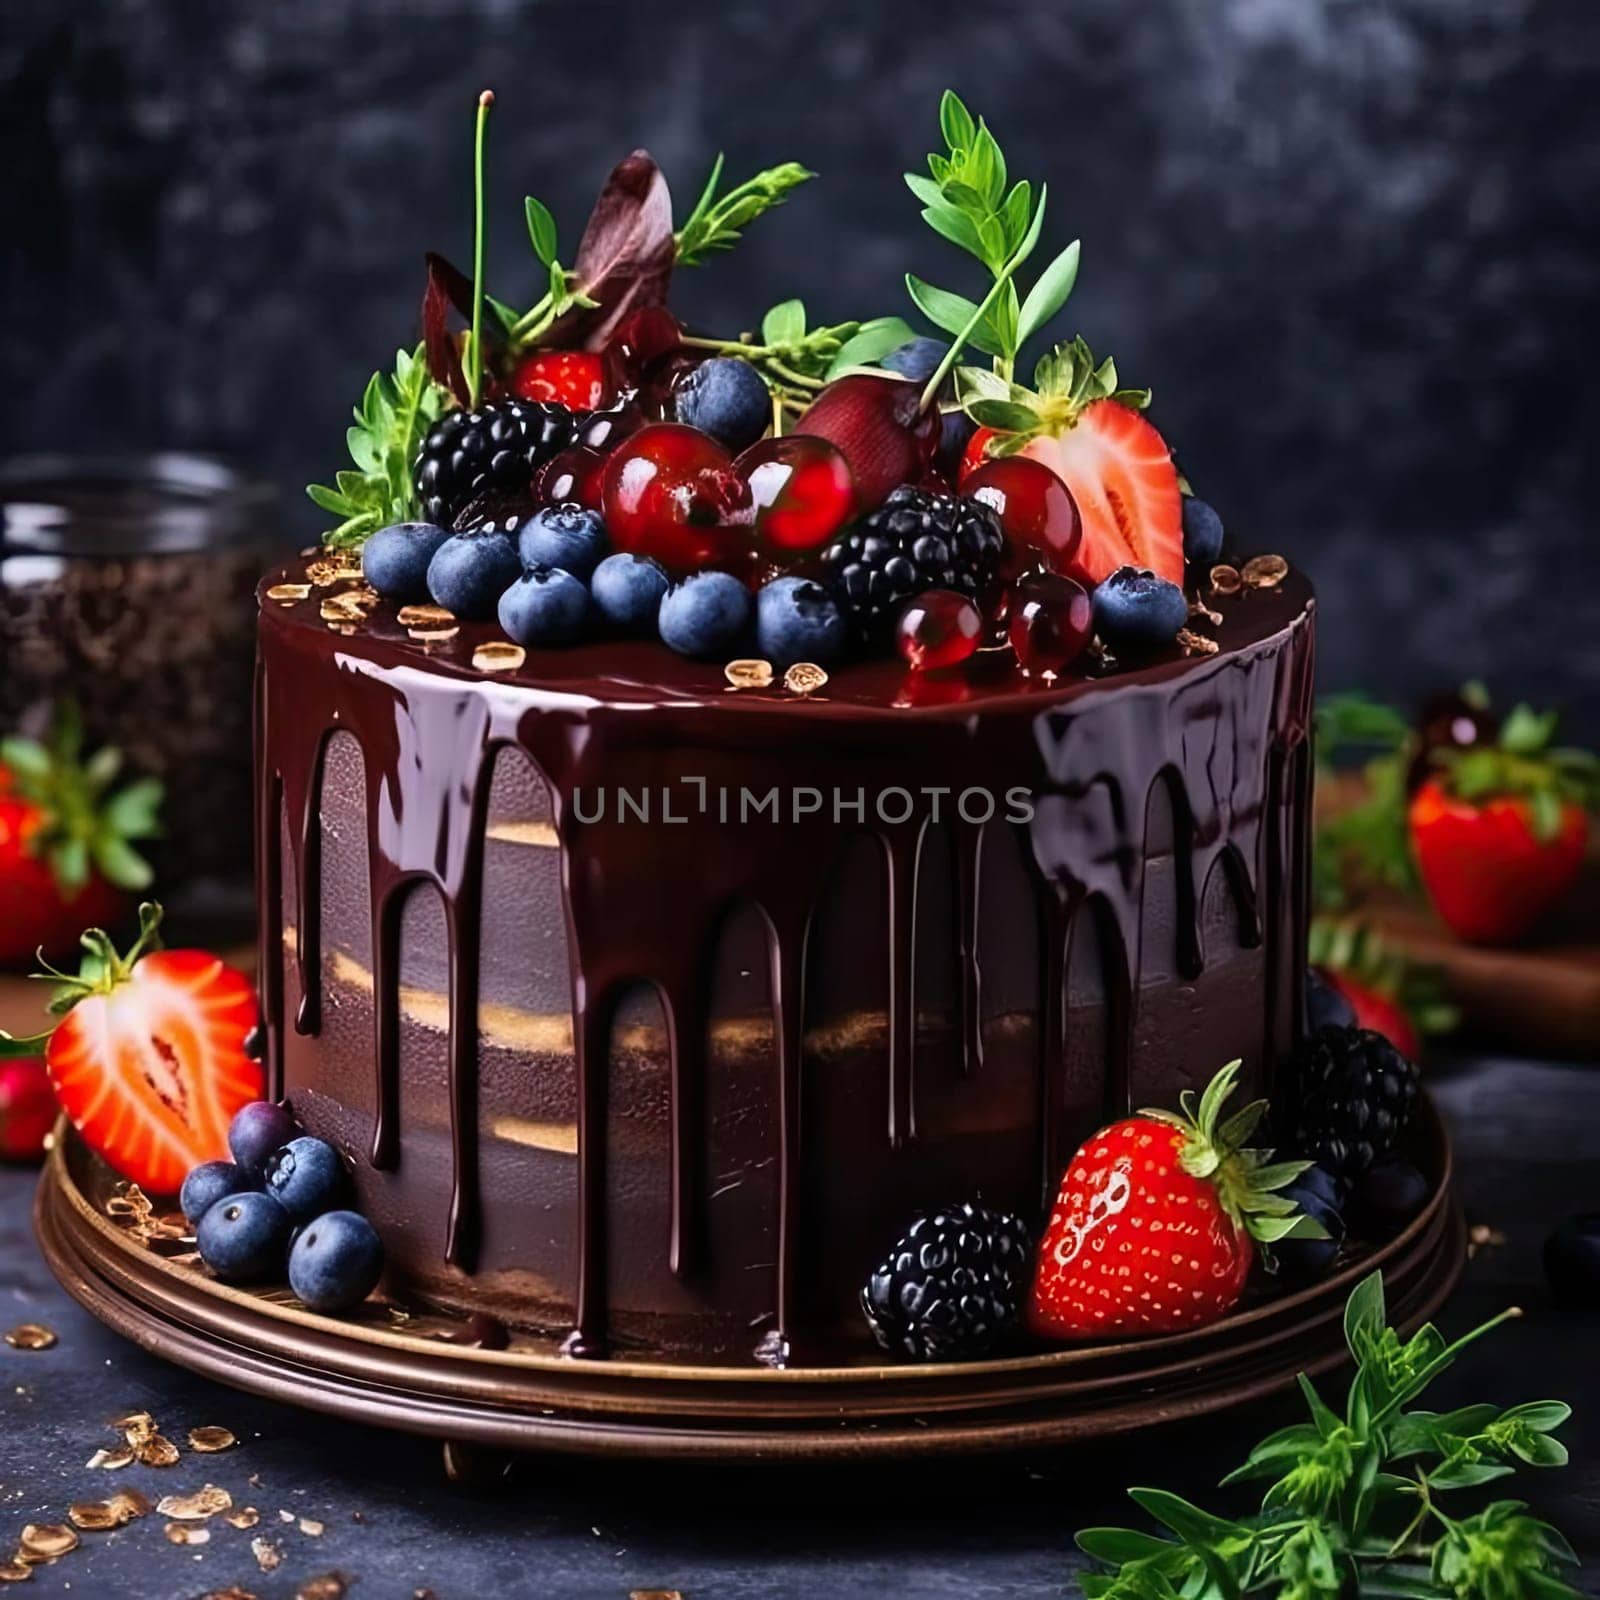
1351,246
594,1529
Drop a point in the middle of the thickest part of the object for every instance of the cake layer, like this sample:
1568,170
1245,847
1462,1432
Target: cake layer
677,1083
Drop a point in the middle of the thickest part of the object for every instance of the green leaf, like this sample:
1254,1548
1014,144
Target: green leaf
1191,1524
1468,1474
541,229
133,812
1526,731
1322,1415
942,307
1364,1315
1005,415
69,862
717,220
1048,294
1014,213
1545,813
925,189
870,344
27,758
955,121
1544,1416
959,228
1120,1545
785,323
121,864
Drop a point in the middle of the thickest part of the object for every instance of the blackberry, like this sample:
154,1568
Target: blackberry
497,447
953,1286
1354,1094
916,540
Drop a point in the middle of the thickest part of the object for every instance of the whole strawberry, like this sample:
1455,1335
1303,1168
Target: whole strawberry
1499,831
1157,1219
66,860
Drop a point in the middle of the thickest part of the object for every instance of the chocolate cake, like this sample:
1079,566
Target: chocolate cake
722,800
671,1086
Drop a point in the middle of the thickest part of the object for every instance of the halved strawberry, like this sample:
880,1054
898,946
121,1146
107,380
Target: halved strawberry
1122,475
1090,433
149,1061
572,378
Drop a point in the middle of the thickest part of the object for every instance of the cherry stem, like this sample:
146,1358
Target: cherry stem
475,355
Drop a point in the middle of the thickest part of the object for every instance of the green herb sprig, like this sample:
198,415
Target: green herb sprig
968,201
1356,1503
395,413
718,220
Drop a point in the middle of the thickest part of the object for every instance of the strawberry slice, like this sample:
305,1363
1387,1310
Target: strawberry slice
149,1062
572,378
1122,475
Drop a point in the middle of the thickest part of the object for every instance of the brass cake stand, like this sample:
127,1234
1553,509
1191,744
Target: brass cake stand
415,1374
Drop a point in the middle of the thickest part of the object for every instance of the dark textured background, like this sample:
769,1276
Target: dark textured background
1352,244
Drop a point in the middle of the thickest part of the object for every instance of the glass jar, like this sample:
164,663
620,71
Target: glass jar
127,585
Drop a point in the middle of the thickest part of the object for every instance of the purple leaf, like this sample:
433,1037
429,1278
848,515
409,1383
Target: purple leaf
446,287
625,257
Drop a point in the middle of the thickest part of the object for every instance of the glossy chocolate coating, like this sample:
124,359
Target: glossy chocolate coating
673,1087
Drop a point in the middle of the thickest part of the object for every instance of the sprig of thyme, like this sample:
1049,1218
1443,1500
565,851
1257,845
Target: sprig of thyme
1355,1503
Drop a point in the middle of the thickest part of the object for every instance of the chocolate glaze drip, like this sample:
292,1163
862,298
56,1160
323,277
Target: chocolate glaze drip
1225,738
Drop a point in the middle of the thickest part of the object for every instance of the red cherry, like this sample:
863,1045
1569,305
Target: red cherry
802,490
674,493
877,425
1051,622
638,340
976,453
1037,513
571,474
28,1109
938,629
605,430
572,378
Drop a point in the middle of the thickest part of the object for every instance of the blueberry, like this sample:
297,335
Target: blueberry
1326,1006
1386,1197
1572,1262
917,359
305,1177
726,398
209,1183
335,1262
243,1237
470,571
954,436
256,1131
545,606
395,560
568,536
1137,611
1316,1193
798,620
705,615
627,591
1202,533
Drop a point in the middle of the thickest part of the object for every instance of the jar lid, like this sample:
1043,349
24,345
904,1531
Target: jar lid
116,506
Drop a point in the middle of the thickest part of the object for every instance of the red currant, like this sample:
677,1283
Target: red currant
938,629
803,493
1051,622
674,493
1036,510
